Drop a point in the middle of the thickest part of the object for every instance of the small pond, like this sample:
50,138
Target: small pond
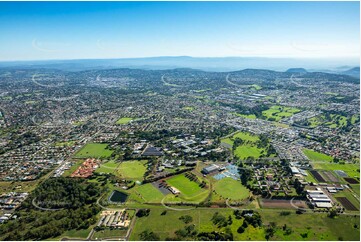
118,197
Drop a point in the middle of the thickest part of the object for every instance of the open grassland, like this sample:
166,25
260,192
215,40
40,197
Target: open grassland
351,169
166,225
148,193
108,167
230,188
94,150
312,226
124,120
18,186
132,169
316,156
242,135
276,113
316,226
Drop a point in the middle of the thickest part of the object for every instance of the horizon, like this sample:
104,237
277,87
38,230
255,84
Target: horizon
41,31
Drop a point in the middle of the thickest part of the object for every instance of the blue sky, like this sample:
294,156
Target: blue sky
78,30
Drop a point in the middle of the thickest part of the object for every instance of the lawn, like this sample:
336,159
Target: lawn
108,167
316,156
124,120
350,169
148,193
132,169
94,150
184,185
256,87
276,113
242,135
230,188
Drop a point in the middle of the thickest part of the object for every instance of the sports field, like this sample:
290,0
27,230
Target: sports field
148,193
276,113
316,156
230,188
94,150
132,169
184,185
124,120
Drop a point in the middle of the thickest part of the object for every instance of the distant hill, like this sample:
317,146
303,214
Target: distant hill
201,63
355,72
297,70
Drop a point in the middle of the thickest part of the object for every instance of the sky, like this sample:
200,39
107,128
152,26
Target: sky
100,30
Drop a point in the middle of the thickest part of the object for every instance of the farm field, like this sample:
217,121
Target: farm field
132,169
108,167
350,169
230,188
276,113
94,150
124,120
347,194
316,156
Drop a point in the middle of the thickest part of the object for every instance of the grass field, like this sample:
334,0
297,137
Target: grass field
242,135
124,120
245,151
184,185
132,169
248,149
108,167
148,193
94,150
316,156
109,233
166,225
230,188
75,166
350,169
310,178
256,87
317,226
250,116
188,108
276,113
